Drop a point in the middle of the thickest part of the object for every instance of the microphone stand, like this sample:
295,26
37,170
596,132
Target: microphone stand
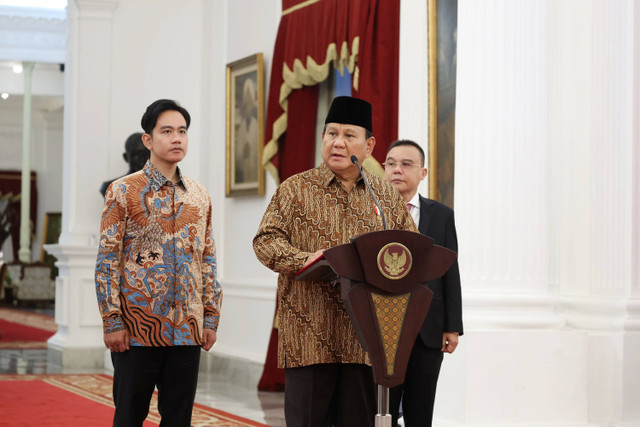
383,417
354,160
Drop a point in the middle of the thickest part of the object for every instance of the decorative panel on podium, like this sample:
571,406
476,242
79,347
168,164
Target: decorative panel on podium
383,278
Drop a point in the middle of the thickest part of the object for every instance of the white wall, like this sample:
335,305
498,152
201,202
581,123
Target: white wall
157,53
413,79
249,287
47,151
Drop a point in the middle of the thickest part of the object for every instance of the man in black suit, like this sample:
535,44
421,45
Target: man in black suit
404,168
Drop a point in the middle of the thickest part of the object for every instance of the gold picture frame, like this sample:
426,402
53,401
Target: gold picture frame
442,51
50,234
245,127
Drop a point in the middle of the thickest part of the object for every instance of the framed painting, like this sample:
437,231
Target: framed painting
245,127
442,46
50,235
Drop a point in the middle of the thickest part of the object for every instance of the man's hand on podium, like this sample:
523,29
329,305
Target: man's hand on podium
314,256
449,342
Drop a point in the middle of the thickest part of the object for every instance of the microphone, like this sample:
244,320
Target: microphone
354,160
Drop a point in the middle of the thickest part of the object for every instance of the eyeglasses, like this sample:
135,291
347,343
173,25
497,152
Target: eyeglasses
403,165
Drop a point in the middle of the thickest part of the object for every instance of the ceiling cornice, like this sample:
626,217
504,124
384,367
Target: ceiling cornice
32,34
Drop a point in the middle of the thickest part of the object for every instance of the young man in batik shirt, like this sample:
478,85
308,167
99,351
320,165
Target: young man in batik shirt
156,276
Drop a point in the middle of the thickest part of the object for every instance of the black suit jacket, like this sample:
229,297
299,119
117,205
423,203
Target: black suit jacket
445,314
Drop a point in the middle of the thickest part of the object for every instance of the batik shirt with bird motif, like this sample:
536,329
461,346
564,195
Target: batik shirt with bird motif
156,267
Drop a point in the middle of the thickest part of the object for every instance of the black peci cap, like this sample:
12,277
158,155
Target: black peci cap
350,111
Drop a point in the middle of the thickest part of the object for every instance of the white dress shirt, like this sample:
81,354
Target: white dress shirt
415,208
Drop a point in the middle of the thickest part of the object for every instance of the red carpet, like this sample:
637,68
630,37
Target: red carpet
24,329
81,400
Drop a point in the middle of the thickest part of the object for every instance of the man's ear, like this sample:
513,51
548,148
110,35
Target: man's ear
371,143
424,173
146,140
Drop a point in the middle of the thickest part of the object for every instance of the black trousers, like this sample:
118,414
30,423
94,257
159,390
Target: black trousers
327,395
174,370
418,392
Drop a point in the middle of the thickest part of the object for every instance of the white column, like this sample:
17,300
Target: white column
24,253
516,365
501,205
629,408
591,145
591,139
88,67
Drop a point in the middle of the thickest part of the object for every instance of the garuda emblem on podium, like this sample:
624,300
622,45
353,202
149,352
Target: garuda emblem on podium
394,261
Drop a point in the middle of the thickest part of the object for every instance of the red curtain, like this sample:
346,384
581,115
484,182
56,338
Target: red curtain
378,63
298,154
315,35
360,35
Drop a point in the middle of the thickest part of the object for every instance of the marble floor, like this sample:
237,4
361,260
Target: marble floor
215,389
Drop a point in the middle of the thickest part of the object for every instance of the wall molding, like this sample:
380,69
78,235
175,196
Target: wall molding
240,370
226,351
248,289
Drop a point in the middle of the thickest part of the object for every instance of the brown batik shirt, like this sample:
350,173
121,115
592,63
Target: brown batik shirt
156,267
308,212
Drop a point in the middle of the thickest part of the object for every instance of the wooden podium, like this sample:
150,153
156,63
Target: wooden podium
383,279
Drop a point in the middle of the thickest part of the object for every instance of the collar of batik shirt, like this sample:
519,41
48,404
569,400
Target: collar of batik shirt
157,179
327,175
